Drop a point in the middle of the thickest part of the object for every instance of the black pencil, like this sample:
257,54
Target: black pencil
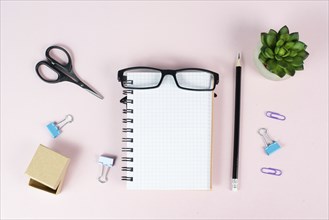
236,125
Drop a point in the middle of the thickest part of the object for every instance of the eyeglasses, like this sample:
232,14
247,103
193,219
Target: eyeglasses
148,78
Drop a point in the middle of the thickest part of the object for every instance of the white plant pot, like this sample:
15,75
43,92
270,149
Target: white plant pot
265,72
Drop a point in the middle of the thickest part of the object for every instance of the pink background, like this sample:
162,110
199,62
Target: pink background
104,37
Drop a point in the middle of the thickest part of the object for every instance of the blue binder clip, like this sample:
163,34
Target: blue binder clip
270,145
55,128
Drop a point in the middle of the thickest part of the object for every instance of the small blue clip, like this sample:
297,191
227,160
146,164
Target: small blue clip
271,148
55,128
270,145
271,171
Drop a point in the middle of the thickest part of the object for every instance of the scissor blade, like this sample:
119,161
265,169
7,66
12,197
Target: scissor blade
95,94
91,91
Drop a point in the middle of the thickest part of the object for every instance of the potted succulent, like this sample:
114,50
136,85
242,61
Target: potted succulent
281,54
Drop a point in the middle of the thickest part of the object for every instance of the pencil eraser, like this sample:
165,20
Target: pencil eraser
234,185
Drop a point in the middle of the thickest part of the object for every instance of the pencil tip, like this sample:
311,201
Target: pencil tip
238,61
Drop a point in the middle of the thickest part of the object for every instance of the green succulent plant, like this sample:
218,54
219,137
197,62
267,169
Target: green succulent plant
282,53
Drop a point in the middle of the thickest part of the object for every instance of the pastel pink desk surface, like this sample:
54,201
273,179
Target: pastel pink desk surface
104,37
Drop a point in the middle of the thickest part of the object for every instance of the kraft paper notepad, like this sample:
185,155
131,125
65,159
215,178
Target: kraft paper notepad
47,170
168,138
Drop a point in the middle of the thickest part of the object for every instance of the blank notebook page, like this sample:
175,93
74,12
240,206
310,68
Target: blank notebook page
171,138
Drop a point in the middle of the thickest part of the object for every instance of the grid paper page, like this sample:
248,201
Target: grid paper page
171,138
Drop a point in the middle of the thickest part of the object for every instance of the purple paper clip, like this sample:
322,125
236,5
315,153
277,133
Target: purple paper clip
275,115
271,171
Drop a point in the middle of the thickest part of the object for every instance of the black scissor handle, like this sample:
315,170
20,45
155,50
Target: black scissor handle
63,67
60,77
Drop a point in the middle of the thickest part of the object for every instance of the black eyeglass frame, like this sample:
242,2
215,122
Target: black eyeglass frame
164,72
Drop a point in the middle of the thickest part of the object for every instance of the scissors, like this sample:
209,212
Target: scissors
64,71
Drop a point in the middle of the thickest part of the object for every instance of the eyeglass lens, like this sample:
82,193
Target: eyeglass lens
142,78
188,79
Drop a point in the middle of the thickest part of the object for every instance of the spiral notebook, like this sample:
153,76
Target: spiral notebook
168,138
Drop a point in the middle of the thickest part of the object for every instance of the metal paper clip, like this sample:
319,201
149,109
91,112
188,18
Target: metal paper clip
270,145
271,171
275,115
107,163
55,127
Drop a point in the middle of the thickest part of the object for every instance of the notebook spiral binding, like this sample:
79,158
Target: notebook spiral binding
127,111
